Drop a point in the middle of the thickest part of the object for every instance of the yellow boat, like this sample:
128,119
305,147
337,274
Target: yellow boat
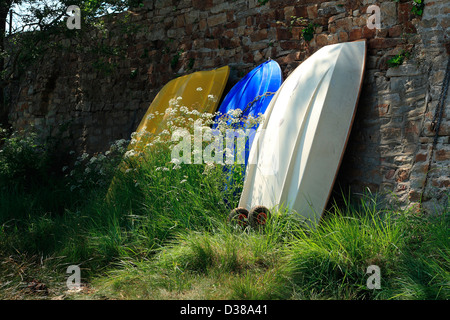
199,91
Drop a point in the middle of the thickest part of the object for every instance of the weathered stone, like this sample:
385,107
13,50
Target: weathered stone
384,43
283,34
355,34
330,8
217,19
388,13
403,70
321,40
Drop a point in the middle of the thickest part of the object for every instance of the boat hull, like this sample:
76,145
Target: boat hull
298,149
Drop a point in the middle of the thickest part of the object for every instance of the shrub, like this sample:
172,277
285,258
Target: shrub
398,59
23,159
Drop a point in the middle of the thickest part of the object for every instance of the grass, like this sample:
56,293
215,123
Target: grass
290,263
160,231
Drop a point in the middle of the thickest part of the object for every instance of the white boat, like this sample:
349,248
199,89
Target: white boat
298,149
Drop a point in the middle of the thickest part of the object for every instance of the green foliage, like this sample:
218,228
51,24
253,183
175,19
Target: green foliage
290,262
133,73
418,6
296,20
308,32
190,64
23,159
159,230
152,197
398,59
176,58
307,28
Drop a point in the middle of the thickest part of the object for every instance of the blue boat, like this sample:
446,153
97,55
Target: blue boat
251,95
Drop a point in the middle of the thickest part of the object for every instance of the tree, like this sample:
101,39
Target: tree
39,24
5,6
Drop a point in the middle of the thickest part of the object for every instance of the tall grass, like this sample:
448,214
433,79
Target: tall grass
289,262
124,203
142,225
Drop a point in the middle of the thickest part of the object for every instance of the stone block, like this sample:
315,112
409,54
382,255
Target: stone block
259,35
388,14
344,24
328,9
201,4
343,36
217,19
321,40
355,34
404,70
442,155
312,11
404,12
384,43
283,34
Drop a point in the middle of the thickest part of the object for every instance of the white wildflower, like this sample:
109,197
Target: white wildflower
172,102
143,131
199,89
207,115
130,153
184,109
235,113
208,168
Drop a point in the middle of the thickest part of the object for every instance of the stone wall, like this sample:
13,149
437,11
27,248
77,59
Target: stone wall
391,145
